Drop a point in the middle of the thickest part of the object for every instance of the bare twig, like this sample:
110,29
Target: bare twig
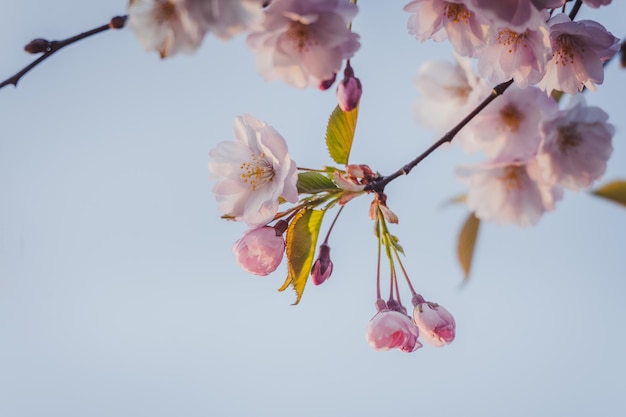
50,47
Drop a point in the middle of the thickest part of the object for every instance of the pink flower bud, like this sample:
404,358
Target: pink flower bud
326,84
391,329
436,324
349,90
260,250
323,266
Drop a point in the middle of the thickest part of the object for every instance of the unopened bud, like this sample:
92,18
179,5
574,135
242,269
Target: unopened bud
323,266
326,84
118,22
622,57
349,90
37,46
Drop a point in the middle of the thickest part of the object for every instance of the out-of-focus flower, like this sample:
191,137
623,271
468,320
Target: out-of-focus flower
518,55
509,192
576,146
448,91
452,19
436,324
260,250
517,15
596,3
509,127
254,171
226,18
391,329
303,42
579,49
166,26
323,266
349,90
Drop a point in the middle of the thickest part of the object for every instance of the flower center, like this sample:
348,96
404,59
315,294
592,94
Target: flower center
566,49
299,34
567,138
511,40
511,116
257,171
512,177
457,13
164,11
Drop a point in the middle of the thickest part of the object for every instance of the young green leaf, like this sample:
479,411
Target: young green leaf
614,191
314,182
340,133
467,243
301,242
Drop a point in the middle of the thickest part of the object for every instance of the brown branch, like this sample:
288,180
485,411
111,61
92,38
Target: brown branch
50,47
378,185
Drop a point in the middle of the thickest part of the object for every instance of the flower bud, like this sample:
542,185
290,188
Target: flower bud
436,324
37,46
326,84
391,329
323,266
260,250
349,90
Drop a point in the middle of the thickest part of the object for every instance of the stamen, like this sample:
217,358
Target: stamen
457,13
512,177
300,35
512,40
257,171
567,138
512,117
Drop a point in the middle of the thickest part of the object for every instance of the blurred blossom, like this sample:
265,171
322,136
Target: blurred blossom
436,324
518,55
391,329
447,92
508,128
576,146
439,20
323,266
226,18
596,3
304,42
517,15
579,49
253,172
260,250
508,192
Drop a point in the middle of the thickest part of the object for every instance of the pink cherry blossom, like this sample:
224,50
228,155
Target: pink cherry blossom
452,19
576,146
436,324
392,329
596,3
166,26
226,18
253,172
509,192
518,55
508,128
516,15
579,49
260,250
303,42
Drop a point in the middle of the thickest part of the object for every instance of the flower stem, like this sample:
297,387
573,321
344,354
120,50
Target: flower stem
575,9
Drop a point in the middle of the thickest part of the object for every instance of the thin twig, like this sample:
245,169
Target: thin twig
378,185
50,47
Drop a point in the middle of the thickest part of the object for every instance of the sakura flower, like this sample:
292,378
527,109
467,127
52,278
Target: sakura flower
576,146
260,250
253,172
452,19
392,329
226,18
303,42
518,55
596,3
436,324
448,91
579,49
166,26
509,192
323,266
508,128
517,15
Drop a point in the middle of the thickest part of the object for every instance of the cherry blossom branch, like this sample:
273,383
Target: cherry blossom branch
378,184
575,9
50,47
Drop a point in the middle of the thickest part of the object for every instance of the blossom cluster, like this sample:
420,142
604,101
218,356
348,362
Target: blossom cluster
534,149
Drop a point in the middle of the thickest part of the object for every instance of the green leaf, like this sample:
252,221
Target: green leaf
300,248
314,182
467,243
614,191
340,133
395,242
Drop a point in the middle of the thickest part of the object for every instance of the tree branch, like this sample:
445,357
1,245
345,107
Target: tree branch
50,47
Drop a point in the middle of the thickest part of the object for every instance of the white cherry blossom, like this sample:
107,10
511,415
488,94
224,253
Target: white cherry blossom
253,172
226,18
576,146
304,42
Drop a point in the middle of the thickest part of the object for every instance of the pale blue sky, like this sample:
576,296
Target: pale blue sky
119,294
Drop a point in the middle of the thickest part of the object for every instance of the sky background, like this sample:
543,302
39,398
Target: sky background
119,294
